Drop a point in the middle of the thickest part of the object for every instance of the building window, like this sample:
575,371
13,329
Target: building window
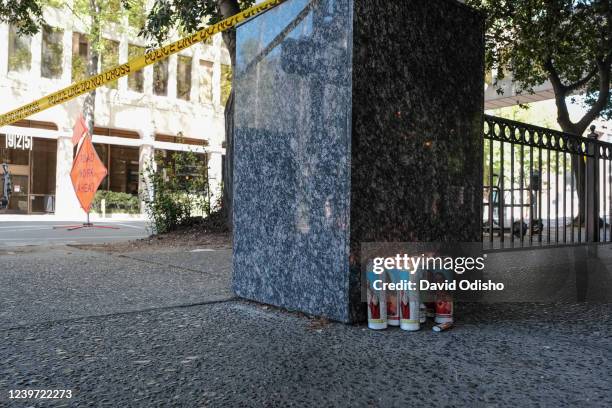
160,78
20,53
136,79
102,150
52,52
17,157
42,171
124,169
166,163
80,57
206,88
183,77
109,56
226,83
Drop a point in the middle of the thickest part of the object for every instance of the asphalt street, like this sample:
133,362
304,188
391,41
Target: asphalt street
162,329
26,233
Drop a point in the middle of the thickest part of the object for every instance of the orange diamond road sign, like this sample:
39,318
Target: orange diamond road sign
87,173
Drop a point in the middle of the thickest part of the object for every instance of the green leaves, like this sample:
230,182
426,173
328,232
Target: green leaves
25,14
540,40
116,202
186,15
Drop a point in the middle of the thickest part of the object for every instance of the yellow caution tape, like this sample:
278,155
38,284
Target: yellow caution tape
133,65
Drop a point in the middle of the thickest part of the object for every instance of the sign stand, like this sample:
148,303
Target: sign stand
87,173
86,224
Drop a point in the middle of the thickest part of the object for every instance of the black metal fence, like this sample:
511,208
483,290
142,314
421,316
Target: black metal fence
543,187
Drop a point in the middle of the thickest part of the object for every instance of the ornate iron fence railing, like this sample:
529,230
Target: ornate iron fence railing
544,187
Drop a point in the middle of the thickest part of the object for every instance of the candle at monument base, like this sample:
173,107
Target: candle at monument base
410,314
443,298
377,310
410,305
442,327
444,310
377,304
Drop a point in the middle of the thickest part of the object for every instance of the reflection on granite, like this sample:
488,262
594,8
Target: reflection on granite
356,121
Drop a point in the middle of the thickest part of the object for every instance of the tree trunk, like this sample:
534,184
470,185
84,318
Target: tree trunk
578,172
603,76
89,105
227,9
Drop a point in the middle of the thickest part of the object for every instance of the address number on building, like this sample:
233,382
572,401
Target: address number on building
19,142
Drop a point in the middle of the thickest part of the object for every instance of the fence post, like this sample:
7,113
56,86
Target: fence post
592,187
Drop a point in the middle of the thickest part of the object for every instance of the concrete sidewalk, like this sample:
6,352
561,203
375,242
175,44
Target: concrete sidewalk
162,329
46,284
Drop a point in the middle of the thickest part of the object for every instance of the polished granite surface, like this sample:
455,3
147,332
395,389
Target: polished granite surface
416,162
356,120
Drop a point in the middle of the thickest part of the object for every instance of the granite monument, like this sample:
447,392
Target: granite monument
356,121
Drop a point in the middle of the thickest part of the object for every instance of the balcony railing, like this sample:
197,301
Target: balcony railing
544,187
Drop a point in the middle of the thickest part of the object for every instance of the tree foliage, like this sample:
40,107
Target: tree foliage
188,15
25,14
566,42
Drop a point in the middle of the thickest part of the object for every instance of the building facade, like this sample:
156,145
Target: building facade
175,105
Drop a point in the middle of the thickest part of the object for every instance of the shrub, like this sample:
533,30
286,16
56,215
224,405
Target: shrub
116,202
176,190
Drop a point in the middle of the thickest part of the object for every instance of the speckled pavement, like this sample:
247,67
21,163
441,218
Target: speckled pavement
41,284
215,351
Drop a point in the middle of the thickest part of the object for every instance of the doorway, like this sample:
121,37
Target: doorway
32,166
